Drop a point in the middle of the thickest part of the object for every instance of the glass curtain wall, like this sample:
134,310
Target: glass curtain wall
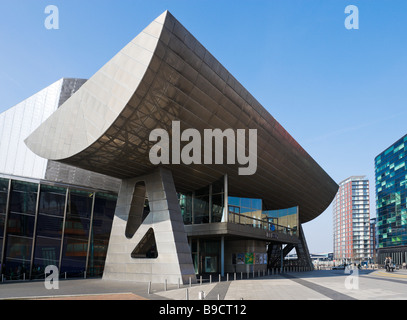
4,187
249,211
204,205
43,225
50,219
391,195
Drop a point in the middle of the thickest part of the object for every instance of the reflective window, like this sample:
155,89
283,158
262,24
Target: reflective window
47,249
217,207
15,269
18,248
185,201
74,257
3,195
52,200
51,233
3,204
103,214
204,205
49,226
23,197
20,224
2,221
80,203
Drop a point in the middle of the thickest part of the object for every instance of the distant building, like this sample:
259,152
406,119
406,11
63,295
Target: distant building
391,197
351,214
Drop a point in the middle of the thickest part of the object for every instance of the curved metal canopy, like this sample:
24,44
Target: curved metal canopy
166,75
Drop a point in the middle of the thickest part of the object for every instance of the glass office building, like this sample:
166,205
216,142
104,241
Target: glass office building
44,223
391,198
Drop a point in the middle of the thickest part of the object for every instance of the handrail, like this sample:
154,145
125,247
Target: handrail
261,224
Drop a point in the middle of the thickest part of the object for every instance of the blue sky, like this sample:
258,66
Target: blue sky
340,93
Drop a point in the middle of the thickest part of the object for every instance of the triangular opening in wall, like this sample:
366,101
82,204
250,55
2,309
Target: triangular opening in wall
147,247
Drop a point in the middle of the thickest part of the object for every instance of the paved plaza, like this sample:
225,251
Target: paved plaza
313,285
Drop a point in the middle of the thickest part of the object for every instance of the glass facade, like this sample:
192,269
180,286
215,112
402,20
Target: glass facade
204,205
391,195
249,211
46,224
207,206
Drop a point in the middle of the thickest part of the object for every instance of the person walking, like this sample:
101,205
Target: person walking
387,264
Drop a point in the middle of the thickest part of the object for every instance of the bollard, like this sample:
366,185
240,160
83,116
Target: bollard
190,282
84,274
227,277
218,296
201,295
149,287
186,294
200,280
248,275
241,275
165,285
234,276
210,278
179,284
219,277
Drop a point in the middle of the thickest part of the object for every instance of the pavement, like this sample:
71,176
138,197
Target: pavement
311,285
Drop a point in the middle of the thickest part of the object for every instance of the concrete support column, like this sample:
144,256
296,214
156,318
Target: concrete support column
164,223
282,258
225,217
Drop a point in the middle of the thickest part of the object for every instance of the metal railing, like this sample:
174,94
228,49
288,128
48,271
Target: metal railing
260,223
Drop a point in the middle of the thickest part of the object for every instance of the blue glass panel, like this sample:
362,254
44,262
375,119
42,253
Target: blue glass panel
246,202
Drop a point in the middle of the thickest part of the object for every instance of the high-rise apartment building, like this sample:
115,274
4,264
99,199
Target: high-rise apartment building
351,219
391,199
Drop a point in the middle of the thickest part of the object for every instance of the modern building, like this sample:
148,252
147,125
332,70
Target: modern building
351,220
50,213
175,219
391,197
